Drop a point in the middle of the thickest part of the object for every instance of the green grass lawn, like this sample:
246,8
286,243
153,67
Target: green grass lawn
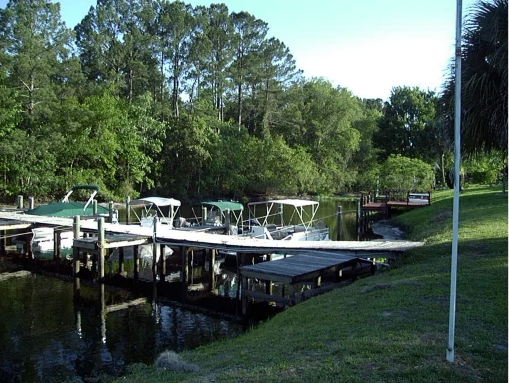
392,327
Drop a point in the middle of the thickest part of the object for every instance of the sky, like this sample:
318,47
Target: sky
366,46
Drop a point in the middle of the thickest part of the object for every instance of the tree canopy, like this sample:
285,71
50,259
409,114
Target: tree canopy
160,97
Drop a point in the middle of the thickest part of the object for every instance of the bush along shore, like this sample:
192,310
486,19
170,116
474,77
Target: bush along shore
386,328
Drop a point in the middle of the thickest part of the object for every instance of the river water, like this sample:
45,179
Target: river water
48,336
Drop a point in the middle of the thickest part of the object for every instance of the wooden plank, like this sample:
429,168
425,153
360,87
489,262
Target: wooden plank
132,242
294,269
126,305
12,225
176,237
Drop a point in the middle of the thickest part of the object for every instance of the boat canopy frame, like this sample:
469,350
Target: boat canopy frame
304,210
151,207
94,188
225,209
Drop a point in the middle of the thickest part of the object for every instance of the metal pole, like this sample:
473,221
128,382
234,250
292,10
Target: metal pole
457,159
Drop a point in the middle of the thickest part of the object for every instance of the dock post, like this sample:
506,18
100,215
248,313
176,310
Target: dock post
227,221
3,242
94,206
292,294
76,228
102,244
203,215
241,259
20,202
154,251
127,210
245,300
110,212
136,264
121,266
268,284
358,218
162,262
76,261
31,202
339,214
184,271
56,244
212,262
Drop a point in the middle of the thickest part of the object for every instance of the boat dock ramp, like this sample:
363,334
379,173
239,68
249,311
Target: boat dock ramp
298,263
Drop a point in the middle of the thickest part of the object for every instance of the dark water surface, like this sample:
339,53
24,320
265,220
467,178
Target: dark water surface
48,336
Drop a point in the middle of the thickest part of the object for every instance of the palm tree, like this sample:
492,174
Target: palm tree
484,79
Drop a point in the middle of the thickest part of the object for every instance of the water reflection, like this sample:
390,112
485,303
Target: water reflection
45,336
48,333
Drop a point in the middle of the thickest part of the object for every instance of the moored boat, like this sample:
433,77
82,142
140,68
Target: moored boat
286,219
43,237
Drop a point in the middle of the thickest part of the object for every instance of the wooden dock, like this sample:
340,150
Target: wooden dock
390,201
307,261
303,269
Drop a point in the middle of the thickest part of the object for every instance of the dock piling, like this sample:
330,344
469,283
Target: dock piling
102,243
20,202
154,251
127,210
339,217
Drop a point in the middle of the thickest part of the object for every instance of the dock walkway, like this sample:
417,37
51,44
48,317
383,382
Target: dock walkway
297,270
305,262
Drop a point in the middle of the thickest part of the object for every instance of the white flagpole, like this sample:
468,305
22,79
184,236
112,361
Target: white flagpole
456,200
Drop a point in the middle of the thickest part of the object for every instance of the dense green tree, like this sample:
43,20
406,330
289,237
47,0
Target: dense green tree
249,34
320,118
98,38
276,71
365,159
34,50
177,27
219,31
114,42
408,125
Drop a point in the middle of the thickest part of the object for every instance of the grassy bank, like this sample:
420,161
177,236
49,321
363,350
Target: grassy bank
390,327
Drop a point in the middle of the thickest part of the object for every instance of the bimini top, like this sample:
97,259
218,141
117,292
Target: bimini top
225,205
157,201
302,211
66,209
290,202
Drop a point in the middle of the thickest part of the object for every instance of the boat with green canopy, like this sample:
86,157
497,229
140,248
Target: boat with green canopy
43,237
66,208
216,216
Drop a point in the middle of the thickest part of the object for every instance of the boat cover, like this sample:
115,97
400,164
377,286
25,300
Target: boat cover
225,205
66,209
158,201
